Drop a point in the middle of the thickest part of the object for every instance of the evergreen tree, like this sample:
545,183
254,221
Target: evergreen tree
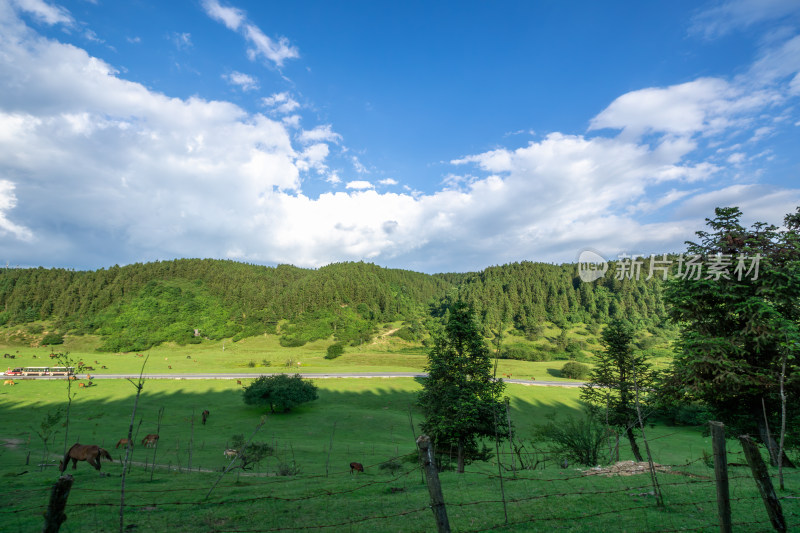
460,399
739,326
611,389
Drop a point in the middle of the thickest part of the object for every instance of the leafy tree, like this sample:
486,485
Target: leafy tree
280,392
334,350
738,327
574,370
249,454
459,399
47,429
611,389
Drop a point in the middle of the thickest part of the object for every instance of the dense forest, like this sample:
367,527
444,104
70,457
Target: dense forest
137,306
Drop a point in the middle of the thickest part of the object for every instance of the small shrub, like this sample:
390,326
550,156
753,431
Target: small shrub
287,468
392,465
335,350
53,338
291,342
265,362
251,364
405,333
35,329
578,439
250,455
574,370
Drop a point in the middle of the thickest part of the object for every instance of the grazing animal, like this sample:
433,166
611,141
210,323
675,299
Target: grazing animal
88,368
238,381
82,385
9,382
124,442
104,366
358,467
205,416
91,453
230,453
150,440
169,366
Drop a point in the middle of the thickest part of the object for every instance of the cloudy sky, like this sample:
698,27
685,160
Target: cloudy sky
437,137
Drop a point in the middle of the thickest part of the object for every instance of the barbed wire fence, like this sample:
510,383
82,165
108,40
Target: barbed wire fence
534,499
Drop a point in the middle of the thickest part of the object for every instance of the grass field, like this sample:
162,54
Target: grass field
259,354
364,420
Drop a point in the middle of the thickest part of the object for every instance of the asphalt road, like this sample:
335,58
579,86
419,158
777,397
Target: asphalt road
314,376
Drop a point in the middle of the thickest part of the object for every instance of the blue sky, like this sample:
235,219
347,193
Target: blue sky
436,137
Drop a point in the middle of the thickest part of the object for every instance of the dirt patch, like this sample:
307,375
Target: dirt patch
624,468
11,443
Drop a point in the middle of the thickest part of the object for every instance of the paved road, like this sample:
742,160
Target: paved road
314,376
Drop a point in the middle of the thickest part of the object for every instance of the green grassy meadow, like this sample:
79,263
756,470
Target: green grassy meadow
363,420
261,354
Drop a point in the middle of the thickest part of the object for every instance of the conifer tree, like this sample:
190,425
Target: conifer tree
460,399
611,389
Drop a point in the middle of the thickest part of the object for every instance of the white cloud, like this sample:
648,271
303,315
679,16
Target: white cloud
705,105
231,17
361,169
320,133
736,14
7,203
243,81
359,184
736,158
44,12
313,157
281,103
99,170
262,46
182,41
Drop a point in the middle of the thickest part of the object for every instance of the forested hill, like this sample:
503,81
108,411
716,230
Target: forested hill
140,305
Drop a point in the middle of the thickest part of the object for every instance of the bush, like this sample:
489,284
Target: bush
405,333
578,439
250,455
53,338
524,352
335,350
280,392
574,370
392,465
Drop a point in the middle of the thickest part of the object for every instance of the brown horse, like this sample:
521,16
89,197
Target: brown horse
91,453
205,416
150,440
124,442
358,467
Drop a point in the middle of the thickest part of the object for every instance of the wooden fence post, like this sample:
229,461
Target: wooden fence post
721,475
434,487
55,515
764,483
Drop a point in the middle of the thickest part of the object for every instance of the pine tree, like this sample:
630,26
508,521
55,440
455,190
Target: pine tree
460,399
611,389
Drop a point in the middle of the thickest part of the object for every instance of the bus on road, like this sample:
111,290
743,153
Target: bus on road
41,371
